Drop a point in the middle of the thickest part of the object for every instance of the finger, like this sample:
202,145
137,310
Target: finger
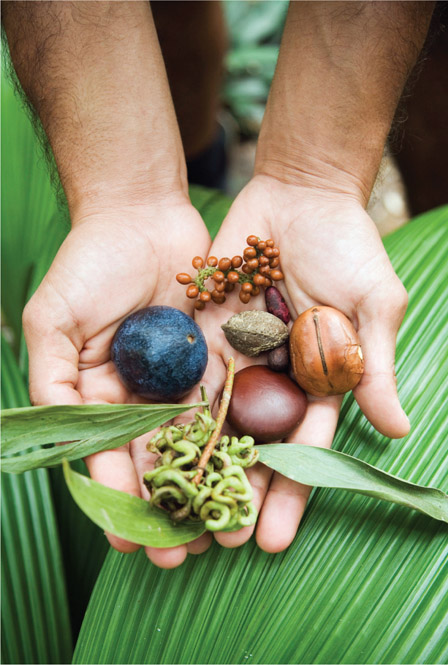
53,350
201,544
376,393
115,469
286,500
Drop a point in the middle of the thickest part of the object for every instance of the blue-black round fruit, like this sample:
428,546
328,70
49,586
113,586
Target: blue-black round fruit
160,353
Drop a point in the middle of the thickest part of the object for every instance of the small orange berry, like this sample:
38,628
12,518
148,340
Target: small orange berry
183,278
247,270
263,260
276,275
244,297
268,252
250,253
212,261
228,287
218,276
220,287
217,297
192,291
232,277
197,262
199,304
224,264
205,296
269,243
261,245
252,240
259,280
274,262
255,290
253,263
247,287
237,261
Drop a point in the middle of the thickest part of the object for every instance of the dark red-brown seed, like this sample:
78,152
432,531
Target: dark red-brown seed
183,278
192,291
237,261
278,359
252,240
197,262
265,404
224,263
199,304
276,304
212,261
228,287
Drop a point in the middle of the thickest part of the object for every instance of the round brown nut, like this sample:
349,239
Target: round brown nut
265,404
325,352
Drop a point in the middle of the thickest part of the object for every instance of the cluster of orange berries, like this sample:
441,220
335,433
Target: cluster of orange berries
259,267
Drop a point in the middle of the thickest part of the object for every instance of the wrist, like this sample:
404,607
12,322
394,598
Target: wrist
317,159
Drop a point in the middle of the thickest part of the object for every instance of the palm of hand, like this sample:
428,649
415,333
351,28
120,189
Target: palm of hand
331,254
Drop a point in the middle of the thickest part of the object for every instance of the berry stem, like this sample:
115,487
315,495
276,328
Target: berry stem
222,413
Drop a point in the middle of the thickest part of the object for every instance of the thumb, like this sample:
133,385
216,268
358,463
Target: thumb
379,321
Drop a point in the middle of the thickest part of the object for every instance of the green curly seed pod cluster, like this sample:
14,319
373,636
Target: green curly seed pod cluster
223,497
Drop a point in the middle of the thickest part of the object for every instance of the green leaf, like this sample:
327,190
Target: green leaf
35,616
319,467
90,428
363,582
127,516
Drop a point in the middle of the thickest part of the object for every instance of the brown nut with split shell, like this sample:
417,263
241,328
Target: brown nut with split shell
325,352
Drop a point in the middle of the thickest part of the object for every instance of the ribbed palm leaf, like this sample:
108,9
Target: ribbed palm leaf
35,615
364,582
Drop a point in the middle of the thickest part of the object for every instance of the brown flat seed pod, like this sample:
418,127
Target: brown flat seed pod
325,352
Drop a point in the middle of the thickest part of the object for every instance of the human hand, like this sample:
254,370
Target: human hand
331,254
114,261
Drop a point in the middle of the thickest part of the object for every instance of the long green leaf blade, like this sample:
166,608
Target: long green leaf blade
104,426
127,516
319,467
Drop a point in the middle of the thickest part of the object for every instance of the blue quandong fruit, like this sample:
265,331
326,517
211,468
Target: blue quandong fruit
160,353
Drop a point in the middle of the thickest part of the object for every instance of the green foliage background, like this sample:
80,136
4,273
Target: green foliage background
363,581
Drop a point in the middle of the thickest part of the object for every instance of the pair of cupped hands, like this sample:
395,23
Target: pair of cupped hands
122,256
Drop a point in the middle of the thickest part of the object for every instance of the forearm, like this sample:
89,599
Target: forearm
94,74
341,71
